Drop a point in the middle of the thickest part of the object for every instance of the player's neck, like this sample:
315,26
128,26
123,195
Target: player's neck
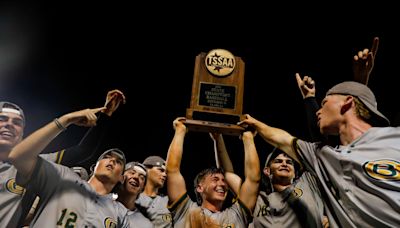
214,207
279,187
352,130
4,152
128,200
101,187
150,189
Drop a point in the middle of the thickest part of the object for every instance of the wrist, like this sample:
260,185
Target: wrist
59,125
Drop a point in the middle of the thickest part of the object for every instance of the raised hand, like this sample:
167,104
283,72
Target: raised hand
363,62
178,124
86,117
113,100
306,86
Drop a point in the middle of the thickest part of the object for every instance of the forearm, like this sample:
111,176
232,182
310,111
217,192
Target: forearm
176,184
274,136
175,152
249,189
24,156
251,160
278,138
224,160
311,106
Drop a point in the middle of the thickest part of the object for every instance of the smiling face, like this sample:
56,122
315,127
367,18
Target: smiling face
11,131
135,179
213,188
281,169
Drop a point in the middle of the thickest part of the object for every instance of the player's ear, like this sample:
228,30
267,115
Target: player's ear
267,171
199,188
347,104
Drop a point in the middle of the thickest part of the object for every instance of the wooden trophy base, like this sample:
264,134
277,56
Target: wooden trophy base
209,126
213,122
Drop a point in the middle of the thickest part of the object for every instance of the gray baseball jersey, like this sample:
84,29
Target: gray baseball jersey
156,209
137,220
362,179
11,207
68,201
299,204
187,213
10,196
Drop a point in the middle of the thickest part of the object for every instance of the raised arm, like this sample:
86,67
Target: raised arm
176,183
25,155
363,62
274,136
87,150
307,89
223,160
249,189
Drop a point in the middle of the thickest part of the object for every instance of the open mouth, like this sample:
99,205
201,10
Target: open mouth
7,134
133,183
220,190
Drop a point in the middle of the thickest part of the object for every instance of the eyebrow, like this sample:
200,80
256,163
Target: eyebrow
281,159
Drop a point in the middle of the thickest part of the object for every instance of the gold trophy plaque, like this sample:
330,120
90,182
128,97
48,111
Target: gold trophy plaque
217,93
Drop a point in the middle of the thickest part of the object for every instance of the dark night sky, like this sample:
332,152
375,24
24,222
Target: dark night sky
75,53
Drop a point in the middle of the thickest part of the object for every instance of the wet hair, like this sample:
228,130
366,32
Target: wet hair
200,177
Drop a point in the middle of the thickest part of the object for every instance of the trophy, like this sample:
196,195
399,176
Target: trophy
217,93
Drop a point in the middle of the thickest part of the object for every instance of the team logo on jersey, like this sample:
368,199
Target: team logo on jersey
167,218
12,187
228,225
383,169
110,223
297,192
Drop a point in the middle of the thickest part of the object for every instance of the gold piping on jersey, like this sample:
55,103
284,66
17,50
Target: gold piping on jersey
60,156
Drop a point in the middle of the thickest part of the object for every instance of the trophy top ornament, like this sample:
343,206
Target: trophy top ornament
220,62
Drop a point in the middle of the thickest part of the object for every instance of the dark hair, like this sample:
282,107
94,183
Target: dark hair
265,181
200,177
132,164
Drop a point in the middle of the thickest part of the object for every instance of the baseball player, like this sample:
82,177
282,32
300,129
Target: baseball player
288,197
12,122
363,64
135,176
80,171
151,200
361,177
65,199
210,188
14,203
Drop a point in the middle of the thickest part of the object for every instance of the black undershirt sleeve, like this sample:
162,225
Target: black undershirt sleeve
87,149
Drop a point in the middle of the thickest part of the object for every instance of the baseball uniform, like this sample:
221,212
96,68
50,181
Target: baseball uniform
362,179
137,220
11,195
68,201
156,209
296,205
187,213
